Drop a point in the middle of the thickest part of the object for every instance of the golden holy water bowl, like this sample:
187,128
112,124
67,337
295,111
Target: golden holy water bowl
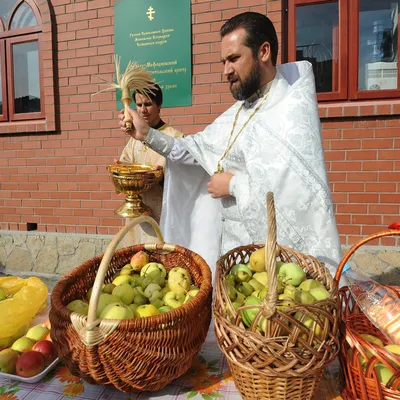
130,180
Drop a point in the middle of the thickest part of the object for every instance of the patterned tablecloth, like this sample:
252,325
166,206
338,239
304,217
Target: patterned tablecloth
208,378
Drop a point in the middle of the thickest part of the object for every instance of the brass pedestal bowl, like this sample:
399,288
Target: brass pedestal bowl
130,179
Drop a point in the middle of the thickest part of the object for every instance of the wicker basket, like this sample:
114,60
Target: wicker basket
358,382
289,359
143,354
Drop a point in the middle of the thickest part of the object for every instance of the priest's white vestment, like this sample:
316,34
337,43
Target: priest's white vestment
279,150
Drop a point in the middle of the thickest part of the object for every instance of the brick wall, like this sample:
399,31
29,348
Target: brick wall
60,181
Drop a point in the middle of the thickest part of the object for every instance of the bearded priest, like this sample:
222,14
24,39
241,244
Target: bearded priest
269,140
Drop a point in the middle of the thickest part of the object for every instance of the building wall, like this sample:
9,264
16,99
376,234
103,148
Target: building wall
59,180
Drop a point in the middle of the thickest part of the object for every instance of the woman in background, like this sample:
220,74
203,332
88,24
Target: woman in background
136,152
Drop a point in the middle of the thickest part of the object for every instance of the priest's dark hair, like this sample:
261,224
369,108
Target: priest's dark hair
259,29
155,95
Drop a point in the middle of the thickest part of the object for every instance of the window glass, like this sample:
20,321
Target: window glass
26,77
317,42
6,7
23,17
378,34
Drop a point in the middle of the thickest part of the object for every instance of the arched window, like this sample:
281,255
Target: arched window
21,78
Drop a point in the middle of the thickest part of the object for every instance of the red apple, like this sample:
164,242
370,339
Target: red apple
48,350
30,364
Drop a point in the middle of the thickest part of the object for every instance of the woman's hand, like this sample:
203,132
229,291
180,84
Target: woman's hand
150,178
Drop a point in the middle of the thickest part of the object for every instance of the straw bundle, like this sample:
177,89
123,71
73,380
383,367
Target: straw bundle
134,78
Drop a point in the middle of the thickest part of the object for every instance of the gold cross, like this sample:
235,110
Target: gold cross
150,13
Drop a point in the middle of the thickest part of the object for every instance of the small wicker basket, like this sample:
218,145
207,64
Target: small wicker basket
289,359
361,382
142,354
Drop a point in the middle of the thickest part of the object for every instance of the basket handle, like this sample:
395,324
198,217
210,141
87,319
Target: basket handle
269,301
394,230
108,326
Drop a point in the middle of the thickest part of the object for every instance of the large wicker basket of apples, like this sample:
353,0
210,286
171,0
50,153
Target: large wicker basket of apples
276,318
134,318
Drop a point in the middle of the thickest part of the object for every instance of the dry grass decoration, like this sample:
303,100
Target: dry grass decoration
134,78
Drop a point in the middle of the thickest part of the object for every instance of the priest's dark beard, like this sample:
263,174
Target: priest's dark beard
248,86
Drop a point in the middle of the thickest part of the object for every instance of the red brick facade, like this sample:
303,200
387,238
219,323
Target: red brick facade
58,179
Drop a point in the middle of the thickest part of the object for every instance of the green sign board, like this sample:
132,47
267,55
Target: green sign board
157,35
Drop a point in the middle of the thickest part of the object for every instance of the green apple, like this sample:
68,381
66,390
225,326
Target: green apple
135,278
260,293
284,302
159,280
255,284
104,300
384,373
145,281
108,288
146,310
261,277
231,290
2,294
153,270
140,299
190,295
37,333
179,280
319,293
174,299
89,294
394,348
116,275
303,297
279,265
116,311
8,361
245,288
193,291
250,313
240,298
164,309
119,280
124,271
157,303
291,273
23,344
133,308
78,306
308,322
230,279
241,272
371,339
289,291
309,284
152,291
125,292
164,291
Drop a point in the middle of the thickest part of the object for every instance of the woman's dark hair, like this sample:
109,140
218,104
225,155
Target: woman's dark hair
259,29
155,95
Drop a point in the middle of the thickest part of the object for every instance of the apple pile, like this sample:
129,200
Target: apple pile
30,354
247,285
140,289
384,373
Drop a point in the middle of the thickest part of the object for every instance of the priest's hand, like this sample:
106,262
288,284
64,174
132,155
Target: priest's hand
140,128
218,186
